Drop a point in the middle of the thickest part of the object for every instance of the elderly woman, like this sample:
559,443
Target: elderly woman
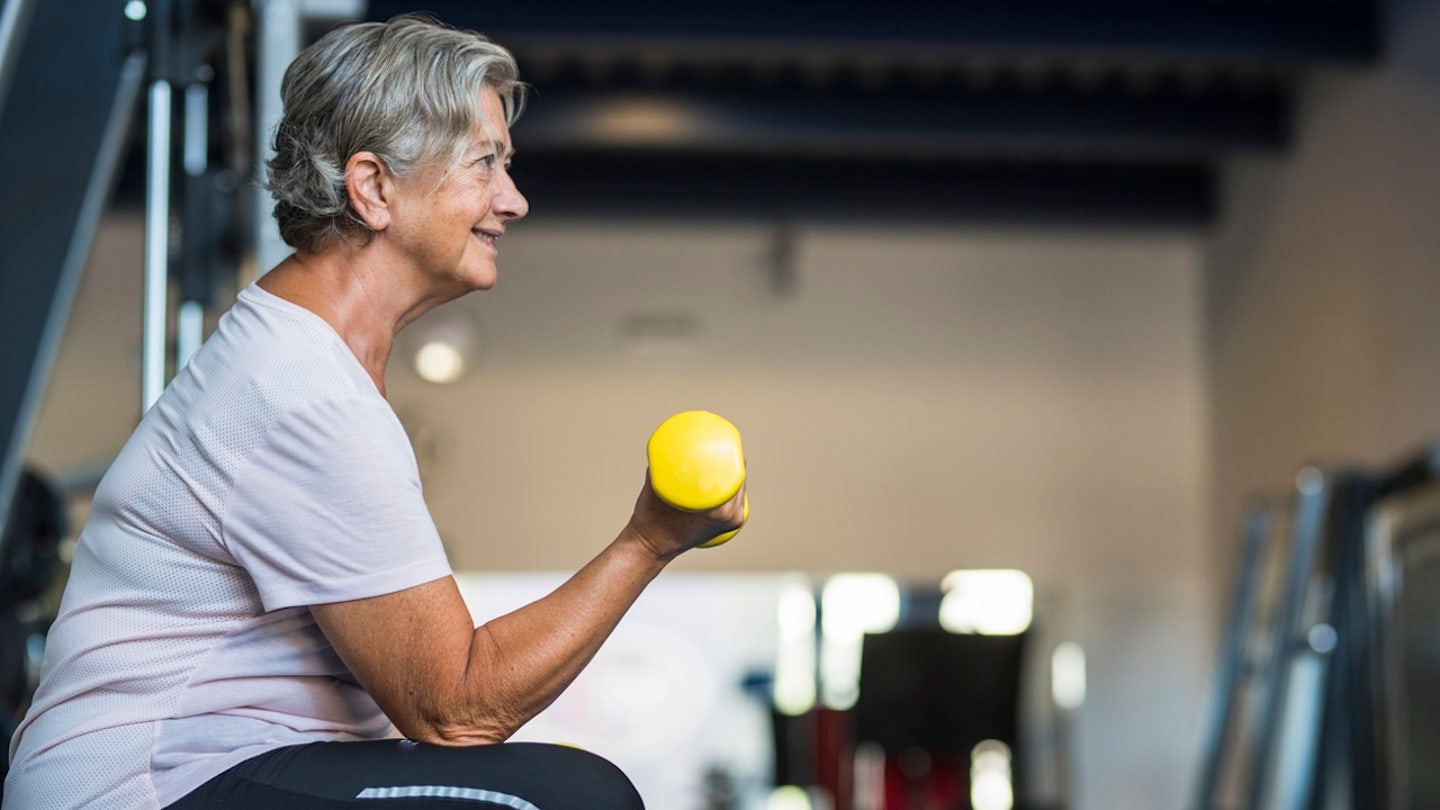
260,599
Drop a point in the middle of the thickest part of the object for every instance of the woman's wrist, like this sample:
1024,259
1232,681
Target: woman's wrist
650,543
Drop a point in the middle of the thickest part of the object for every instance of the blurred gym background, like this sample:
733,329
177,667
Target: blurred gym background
1084,350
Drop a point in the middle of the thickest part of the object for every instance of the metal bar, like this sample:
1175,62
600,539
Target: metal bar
157,245
1342,773
1314,494
332,10
14,20
1420,470
197,99
1256,537
277,44
189,332
279,24
190,323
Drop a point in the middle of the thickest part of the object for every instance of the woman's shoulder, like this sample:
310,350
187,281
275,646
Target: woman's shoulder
280,352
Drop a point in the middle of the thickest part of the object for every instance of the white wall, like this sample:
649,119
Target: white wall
1323,326
926,399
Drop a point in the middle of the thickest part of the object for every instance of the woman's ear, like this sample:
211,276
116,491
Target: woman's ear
369,184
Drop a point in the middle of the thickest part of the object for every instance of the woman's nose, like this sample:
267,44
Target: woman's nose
509,203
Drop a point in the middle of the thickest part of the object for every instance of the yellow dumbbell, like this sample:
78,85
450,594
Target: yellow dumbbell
696,464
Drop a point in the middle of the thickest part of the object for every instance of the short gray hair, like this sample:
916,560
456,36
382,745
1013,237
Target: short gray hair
407,90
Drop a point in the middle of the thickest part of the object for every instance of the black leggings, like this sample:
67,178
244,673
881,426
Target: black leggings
403,774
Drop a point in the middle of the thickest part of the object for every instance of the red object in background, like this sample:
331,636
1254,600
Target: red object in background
917,779
817,750
914,778
834,754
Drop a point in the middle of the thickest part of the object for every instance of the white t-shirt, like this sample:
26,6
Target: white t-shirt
271,475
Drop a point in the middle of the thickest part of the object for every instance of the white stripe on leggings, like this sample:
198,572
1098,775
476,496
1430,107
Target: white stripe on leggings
446,792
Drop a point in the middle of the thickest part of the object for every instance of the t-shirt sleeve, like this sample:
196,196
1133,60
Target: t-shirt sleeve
329,508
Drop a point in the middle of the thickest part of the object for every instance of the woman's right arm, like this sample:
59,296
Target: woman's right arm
441,680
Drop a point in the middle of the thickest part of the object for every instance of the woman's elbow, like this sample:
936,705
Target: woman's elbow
460,729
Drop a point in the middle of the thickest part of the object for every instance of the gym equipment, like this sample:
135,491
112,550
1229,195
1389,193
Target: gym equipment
1402,571
696,464
1338,708
1230,739
1309,740
110,61
60,160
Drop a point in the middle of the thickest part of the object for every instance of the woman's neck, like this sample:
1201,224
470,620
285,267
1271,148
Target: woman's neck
364,303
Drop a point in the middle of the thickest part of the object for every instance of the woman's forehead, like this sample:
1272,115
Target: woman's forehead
492,126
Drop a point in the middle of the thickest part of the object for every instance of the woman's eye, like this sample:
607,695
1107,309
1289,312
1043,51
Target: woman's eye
484,168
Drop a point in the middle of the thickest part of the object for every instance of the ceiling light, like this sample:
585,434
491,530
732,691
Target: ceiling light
443,345
439,362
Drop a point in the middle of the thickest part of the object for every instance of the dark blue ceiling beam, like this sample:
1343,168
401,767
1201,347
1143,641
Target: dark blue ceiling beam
948,124
647,184
1282,32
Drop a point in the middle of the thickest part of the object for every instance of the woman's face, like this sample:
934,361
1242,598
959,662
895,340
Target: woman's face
449,230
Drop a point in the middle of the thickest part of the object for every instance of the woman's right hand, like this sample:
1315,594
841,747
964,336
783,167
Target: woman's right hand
669,532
